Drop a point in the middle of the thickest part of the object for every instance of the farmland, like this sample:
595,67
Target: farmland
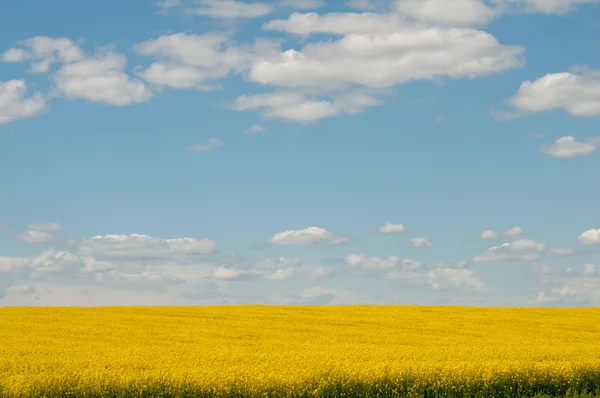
254,350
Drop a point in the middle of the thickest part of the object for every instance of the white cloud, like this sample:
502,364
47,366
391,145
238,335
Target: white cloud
303,273
303,4
143,280
283,268
21,290
190,60
577,92
590,269
14,103
45,227
513,233
363,4
210,144
319,295
316,291
376,52
489,234
589,237
38,233
12,265
101,79
420,242
388,228
441,276
166,5
43,52
300,108
268,264
228,273
231,9
15,55
337,23
32,236
581,290
561,252
452,278
386,59
455,265
569,147
178,76
518,250
360,262
143,247
255,129
306,236
455,13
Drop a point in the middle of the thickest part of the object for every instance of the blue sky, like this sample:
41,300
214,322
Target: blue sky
300,152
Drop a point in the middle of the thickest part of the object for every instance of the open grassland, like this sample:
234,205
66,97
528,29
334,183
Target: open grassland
298,351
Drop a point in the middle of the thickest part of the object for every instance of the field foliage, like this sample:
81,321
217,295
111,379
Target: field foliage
298,351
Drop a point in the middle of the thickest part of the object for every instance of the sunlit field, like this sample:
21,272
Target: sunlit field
298,351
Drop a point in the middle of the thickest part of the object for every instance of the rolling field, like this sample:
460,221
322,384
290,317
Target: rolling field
298,351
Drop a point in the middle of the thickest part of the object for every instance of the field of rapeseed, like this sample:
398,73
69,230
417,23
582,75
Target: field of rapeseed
298,351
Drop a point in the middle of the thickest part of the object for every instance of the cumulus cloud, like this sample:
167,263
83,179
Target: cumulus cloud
255,129
518,250
571,288
569,147
376,52
32,236
561,252
489,234
302,108
16,104
166,5
45,227
43,52
99,77
13,265
303,4
576,92
310,235
39,233
513,233
299,273
590,269
21,290
231,9
210,144
361,263
452,265
441,276
194,61
453,278
389,228
143,246
420,242
364,4
589,237
283,268
54,266
456,13
398,56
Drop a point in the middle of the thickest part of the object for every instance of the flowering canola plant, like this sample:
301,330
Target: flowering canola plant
255,350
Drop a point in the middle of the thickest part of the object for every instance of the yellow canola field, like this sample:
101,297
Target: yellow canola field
310,351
